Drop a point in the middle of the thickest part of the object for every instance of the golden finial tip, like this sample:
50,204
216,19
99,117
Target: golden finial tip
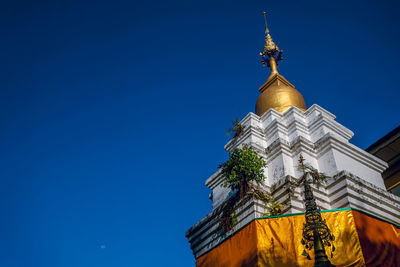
265,20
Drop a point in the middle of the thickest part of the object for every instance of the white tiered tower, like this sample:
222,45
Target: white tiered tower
283,129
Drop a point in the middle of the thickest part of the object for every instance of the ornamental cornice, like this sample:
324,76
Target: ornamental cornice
297,126
302,144
316,108
291,149
247,132
276,147
329,141
214,180
270,114
274,128
332,125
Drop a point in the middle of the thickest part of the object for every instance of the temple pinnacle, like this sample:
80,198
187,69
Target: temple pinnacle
270,48
265,20
277,92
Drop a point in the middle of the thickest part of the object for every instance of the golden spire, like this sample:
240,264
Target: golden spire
271,51
265,20
269,43
277,92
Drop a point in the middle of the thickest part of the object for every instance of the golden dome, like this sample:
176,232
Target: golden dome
279,94
276,92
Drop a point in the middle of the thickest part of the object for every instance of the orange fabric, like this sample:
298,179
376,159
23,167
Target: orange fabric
359,240
380,241
240,250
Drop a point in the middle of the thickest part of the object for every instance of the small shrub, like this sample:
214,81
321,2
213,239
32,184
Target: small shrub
244,166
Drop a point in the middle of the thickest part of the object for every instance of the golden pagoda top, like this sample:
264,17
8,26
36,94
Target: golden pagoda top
269,43
277,92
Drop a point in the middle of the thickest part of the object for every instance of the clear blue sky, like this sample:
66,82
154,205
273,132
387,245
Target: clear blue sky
113,113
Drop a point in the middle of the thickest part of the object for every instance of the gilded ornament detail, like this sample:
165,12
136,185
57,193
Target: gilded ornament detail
276,92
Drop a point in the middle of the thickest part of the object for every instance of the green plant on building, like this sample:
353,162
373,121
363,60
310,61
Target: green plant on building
236,130
243,167
243,172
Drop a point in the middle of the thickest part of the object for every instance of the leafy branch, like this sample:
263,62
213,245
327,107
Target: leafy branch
274,208
242,172
244,166
236,130
317,178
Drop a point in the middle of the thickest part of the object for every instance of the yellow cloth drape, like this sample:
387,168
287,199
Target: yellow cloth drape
359,240
279,241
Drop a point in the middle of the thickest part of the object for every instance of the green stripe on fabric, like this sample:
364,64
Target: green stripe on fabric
299,213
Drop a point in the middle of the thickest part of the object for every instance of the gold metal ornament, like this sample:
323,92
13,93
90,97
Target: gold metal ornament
277,92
